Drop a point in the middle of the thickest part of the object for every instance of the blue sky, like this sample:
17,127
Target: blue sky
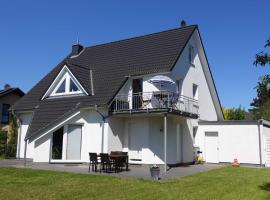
35,36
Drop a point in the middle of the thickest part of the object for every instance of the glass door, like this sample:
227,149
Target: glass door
74,139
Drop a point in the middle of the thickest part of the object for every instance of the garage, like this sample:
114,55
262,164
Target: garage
224,141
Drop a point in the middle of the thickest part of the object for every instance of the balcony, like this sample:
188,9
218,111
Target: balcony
155,102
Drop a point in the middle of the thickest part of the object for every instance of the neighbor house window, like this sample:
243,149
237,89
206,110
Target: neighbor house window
191,55
195,91
5,113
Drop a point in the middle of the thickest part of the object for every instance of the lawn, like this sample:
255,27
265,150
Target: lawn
224,183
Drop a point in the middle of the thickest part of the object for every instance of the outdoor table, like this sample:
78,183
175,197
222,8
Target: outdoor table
116,156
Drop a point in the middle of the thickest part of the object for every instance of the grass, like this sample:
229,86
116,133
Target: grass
224,183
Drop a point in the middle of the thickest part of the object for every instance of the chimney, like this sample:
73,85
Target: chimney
7,86
183,23
76,49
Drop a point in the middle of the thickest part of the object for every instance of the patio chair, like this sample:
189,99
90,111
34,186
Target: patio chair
125,160
120,162
93,161
105,162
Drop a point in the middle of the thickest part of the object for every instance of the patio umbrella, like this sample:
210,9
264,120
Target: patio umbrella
163,83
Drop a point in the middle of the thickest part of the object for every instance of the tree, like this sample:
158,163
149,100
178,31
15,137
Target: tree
234,113
12,140
263,58
3,143
261,104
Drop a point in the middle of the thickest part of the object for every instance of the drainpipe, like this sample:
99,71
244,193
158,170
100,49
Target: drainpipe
25,149
103,122
165,143
260,122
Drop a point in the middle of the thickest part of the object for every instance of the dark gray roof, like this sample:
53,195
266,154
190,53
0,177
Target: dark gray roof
17,91
111,64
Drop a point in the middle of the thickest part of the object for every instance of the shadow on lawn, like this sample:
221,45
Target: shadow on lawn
265,187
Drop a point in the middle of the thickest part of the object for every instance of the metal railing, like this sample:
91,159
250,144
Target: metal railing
155,100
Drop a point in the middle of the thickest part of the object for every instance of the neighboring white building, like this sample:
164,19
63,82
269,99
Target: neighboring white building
150,96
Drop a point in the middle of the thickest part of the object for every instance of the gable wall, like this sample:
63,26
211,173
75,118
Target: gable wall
195,75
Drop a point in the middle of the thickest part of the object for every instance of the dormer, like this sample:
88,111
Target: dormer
65,84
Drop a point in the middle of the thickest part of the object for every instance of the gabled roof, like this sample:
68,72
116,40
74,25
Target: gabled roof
17,91
111,64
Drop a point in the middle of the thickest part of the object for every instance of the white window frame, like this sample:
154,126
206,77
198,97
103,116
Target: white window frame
65,73
66,77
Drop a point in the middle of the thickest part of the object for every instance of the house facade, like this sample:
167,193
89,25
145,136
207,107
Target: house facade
145,95
8,97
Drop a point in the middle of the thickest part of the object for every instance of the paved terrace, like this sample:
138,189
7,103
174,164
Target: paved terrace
135,171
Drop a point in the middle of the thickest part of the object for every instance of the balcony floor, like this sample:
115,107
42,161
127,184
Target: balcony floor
155,110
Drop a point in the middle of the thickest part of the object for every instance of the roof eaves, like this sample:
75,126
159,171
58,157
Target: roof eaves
76,108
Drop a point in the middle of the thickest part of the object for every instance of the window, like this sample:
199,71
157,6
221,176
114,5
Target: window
5,113
61,88
191,55
195,91
73,87
66,86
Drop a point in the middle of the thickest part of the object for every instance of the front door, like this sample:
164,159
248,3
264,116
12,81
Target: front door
211,147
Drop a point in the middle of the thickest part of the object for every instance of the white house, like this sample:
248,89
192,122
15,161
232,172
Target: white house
150,96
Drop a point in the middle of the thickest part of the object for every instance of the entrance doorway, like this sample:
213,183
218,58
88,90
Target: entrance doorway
57,144
211,147
136,93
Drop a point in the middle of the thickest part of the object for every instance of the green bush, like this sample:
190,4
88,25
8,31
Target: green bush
3,143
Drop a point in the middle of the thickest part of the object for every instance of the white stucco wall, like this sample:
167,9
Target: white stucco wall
240,141
91,123
25,120
149,133
195,75
116,128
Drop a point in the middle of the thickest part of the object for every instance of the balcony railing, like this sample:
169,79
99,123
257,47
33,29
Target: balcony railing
154,101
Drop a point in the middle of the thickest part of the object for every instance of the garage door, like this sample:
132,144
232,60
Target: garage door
211,147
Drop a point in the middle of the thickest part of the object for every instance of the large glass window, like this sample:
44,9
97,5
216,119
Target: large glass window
57,144
5,113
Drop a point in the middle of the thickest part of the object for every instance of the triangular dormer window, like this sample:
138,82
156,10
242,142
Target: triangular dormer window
65,84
